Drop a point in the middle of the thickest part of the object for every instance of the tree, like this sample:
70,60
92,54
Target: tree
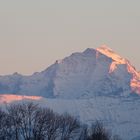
28,121
70,127
46,124
15,118
5,126
98,132
22,118
83,133
2,125
31,122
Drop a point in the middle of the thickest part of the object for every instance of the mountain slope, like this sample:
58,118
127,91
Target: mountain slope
81,75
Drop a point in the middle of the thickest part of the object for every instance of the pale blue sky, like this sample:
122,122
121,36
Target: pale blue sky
34,33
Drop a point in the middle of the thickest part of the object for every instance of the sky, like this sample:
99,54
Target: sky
36,33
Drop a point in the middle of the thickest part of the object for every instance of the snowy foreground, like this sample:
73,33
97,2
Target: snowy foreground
119,115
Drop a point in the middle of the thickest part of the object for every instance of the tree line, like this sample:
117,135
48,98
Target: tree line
28,121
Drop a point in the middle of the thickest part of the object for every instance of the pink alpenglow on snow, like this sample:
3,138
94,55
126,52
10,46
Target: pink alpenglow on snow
118,60
9,98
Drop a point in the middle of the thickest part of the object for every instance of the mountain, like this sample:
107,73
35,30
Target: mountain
82,75
96,84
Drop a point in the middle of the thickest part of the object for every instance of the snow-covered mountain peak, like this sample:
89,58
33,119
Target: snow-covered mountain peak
118,60
110,53
93,72
105,47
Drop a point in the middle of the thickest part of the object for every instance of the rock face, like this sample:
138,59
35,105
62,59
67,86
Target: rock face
82,75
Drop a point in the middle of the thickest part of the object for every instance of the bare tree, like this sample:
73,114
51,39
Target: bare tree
27,112
2,125
46,124
70,127
15,119
5,126
98,132
31,122
28,121
22,117
83,133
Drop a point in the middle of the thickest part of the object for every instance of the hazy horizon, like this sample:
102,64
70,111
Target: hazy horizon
34,34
